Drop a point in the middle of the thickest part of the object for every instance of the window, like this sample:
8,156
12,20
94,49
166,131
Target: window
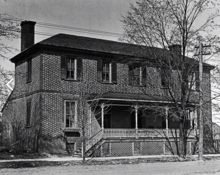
29,70
71,68
70,119
28,117
193,81
106,71
165,77
137,75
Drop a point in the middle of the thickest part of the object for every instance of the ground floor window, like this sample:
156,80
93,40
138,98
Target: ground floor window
70,114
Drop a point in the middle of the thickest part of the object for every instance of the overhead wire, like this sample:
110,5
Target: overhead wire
69,28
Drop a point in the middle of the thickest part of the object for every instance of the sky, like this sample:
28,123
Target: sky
101,15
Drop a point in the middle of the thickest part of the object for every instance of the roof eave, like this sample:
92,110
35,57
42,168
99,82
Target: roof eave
25,52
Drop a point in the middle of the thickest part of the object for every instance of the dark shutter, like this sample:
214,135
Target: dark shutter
28,117
63,67
114,72
144,76
197,81
79,69
99,70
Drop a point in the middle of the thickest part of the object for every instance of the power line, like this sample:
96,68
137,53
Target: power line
69,28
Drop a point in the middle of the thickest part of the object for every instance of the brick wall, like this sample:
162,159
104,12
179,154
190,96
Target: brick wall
52,79
21,86
47,89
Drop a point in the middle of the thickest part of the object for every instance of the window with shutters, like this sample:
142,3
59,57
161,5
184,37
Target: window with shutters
29,70
28,117
107,71
137,75
193,81
70,114
71,68
165,77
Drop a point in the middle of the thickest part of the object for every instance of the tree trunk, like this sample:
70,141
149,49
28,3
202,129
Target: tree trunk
181,140
84,144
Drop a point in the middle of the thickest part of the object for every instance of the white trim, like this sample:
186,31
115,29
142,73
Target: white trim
76,116
110,72
75,69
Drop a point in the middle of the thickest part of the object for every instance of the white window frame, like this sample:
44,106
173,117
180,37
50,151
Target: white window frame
140,70
76,117
193,119
75,68
192,81
110,72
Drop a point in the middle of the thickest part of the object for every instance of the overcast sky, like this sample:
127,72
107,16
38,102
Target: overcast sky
103,15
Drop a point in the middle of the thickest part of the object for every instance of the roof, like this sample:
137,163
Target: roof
132,97
66,41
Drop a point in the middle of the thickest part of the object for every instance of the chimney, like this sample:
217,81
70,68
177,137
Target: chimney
27,34
175,48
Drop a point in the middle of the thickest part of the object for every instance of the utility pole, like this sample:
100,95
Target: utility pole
201,119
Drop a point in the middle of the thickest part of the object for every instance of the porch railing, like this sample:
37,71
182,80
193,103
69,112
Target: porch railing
94,139
109,132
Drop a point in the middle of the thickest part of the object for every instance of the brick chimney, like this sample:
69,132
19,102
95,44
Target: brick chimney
175,48
27,34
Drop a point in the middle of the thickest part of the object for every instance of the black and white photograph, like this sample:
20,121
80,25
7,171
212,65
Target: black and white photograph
109,87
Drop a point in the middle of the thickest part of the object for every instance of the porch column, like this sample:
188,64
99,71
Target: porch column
90,121
191,119
166,115
136,120
195,121
102,115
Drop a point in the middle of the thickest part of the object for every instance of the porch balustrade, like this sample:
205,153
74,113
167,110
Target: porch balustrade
108,133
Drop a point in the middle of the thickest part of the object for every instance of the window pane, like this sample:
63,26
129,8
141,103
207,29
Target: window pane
135,76
70,68
106,72
70,114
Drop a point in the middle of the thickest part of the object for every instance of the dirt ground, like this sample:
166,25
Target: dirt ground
166,168
15,164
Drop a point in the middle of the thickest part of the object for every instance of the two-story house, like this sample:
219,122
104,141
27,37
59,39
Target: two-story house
66,85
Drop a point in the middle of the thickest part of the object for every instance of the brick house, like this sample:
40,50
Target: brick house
51,77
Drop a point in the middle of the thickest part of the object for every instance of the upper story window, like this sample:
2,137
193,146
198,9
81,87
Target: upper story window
70,114
106,71
193,81
71,68
137,75
165,77
29,70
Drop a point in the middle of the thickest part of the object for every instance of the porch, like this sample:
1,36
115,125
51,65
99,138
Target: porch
133,122
132,127
143,133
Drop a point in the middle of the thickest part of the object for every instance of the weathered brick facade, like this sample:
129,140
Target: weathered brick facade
47,92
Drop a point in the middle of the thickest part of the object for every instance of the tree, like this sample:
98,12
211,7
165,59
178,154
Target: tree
9,30
166,23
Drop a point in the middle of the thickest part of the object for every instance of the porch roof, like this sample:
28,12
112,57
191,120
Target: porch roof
132,97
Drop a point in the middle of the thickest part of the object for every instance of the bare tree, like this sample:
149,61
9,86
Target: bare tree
9,30
165,23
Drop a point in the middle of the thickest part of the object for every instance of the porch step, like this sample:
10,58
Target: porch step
95,147
77,153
